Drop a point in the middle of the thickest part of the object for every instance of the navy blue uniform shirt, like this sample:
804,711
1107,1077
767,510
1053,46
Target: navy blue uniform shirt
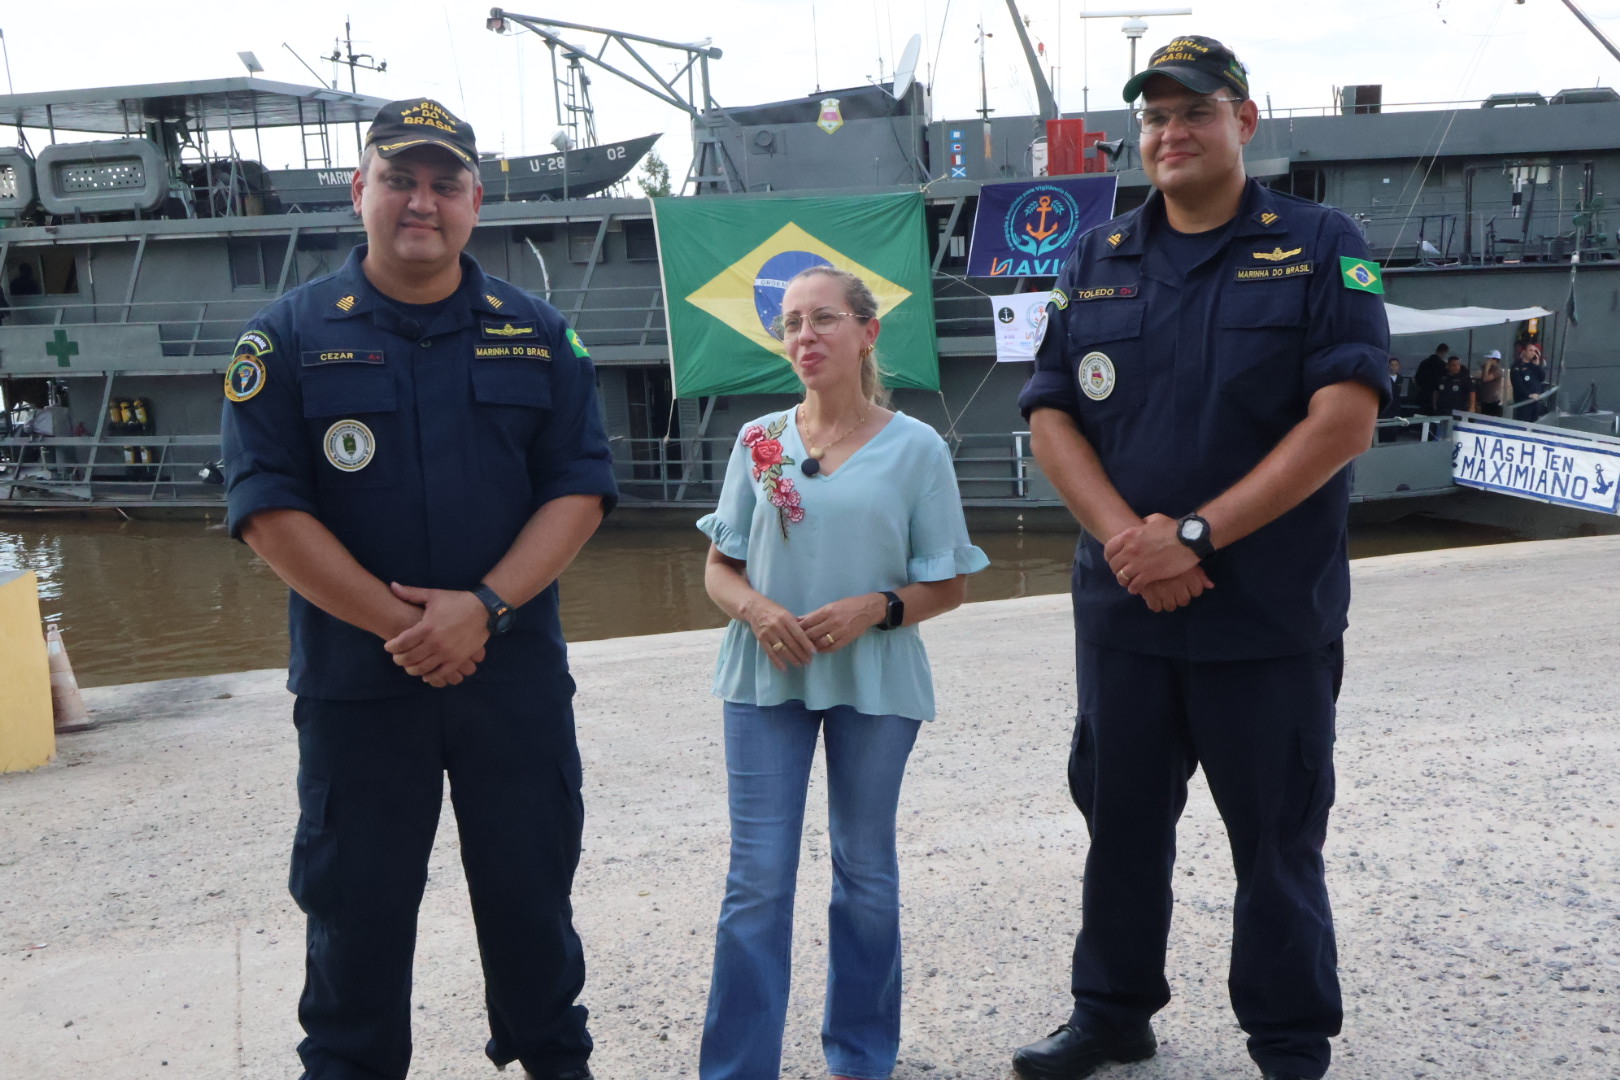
423,448
1183,378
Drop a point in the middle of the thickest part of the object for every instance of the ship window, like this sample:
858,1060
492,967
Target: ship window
59,270
256,261
582,241
640,241
1305,183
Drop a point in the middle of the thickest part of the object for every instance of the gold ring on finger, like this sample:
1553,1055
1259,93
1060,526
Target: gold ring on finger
777,646
831,640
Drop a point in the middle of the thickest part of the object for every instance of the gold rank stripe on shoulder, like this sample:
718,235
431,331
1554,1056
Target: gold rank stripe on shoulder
1277,254
1268,218
1116,239
345,303
494,301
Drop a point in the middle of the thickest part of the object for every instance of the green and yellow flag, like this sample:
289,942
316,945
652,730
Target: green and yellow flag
726,262
1362,275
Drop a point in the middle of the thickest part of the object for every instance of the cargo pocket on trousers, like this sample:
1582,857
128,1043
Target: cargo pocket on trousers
1082,767
313,844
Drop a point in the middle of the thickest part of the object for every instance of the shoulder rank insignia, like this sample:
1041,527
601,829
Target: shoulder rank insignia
1116,239
509,330
494,301
345,303
1268,218
1277,254
1363,275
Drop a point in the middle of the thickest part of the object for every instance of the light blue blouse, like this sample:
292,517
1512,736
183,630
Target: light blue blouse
889,516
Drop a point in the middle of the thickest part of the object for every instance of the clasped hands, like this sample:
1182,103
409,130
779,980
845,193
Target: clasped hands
1150,561
790,639
446,642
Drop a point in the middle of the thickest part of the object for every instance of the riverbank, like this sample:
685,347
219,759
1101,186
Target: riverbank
1474,858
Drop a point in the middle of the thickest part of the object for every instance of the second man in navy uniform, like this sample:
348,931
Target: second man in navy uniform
417,450
1212,361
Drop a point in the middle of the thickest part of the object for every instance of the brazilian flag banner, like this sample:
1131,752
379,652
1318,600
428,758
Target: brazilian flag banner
726,262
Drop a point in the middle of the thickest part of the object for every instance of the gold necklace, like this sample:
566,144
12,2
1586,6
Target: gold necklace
812,464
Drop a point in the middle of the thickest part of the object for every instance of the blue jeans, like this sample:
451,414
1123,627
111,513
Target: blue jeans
769,749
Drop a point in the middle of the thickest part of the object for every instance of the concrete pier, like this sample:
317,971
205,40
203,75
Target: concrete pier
1474,857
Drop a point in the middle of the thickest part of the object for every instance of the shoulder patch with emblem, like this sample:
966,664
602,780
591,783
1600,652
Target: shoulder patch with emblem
494,301
1060,298
579,346
509,330
245,376
345,303
1267,218
1116,239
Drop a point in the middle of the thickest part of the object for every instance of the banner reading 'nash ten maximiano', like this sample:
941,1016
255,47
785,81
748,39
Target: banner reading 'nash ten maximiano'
726,263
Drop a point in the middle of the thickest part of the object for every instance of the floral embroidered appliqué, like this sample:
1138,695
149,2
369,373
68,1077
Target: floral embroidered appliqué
766,447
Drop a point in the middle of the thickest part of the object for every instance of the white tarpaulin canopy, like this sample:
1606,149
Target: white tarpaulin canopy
1405,320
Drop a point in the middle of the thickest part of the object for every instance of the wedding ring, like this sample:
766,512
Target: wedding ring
778,645
831,640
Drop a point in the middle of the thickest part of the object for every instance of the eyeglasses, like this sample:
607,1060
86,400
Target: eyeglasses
1201,113
824,321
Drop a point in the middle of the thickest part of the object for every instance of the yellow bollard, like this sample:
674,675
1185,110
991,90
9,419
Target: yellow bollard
67,705
26,738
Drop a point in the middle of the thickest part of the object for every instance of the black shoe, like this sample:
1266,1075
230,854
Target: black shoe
1273,1074
581,1073
1070,1053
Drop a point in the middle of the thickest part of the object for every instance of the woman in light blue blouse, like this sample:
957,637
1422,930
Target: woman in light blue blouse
839,529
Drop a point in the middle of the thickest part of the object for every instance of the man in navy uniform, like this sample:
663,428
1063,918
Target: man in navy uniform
1212,361
417,450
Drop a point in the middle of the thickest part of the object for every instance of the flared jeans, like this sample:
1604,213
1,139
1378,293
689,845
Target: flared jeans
769,750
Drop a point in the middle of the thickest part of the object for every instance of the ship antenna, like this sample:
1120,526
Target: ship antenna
815,47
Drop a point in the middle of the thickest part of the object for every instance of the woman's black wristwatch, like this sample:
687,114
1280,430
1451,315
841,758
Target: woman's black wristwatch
895,614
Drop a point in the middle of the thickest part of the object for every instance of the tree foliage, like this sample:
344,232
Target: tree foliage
654,178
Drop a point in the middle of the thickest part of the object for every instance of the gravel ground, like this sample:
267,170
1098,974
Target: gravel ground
1474,858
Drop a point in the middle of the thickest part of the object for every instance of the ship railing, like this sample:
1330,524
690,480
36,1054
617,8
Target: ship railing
1421,428
614,314
990,466
189,328
91,471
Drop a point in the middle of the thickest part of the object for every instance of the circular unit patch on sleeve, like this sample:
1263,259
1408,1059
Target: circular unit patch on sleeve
349,445
244,378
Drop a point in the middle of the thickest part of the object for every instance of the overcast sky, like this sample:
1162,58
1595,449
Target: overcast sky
1297,51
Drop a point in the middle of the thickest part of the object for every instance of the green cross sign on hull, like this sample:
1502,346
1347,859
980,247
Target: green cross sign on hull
61,348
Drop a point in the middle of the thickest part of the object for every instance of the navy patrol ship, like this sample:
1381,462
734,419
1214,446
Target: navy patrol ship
130,258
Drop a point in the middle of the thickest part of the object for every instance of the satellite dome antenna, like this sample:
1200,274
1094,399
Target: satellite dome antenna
1135,25
906,73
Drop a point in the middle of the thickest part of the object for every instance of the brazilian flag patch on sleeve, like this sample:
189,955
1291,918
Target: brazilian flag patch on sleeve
579,346
1363,275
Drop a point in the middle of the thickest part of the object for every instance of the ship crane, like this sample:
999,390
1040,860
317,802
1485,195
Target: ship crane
696,101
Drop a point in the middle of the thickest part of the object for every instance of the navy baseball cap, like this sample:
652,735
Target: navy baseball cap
400,125
1200,64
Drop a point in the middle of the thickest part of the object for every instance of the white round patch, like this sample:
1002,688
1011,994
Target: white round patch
349,445
1096,376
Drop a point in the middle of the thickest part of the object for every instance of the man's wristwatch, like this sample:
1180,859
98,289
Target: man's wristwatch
501,614
894,614
1193,531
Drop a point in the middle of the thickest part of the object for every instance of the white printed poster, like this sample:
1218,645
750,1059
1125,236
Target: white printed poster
1020,321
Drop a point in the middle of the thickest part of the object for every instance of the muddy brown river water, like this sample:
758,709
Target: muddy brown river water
142,600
